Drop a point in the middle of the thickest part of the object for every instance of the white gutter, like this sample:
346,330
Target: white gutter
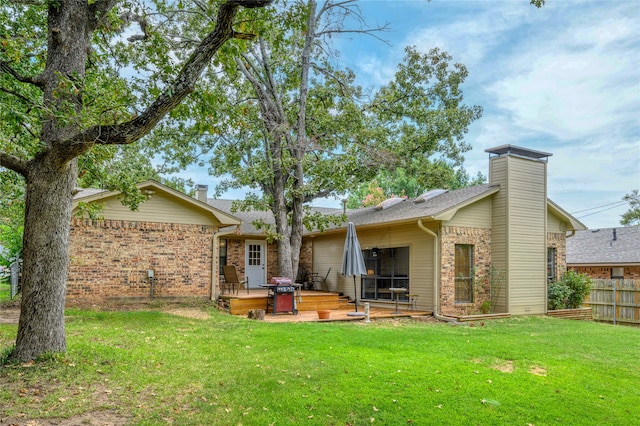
216,271
436,275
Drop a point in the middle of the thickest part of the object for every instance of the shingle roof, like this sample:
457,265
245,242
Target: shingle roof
598,246
408,209
402,211
86,192
248,217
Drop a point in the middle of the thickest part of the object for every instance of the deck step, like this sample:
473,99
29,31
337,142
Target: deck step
310,302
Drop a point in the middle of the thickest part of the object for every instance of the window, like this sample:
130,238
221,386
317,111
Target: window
464,273
255,255
551,264
617,273
386,268
222,254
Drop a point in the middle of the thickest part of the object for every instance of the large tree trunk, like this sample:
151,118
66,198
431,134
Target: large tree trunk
46,258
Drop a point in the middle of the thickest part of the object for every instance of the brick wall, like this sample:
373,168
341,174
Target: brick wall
481,241
110,258
604,272
305,264
236,257
559,242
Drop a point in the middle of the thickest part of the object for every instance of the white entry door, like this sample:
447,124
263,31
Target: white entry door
256,262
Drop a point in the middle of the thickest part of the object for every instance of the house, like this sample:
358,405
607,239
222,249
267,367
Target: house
608,253
489,247
495,245
166,248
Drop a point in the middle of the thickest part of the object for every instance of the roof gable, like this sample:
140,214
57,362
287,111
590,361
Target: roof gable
164,204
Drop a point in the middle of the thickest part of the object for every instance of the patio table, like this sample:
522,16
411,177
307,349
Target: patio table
397,291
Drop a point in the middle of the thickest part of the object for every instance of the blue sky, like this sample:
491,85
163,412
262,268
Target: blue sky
563,79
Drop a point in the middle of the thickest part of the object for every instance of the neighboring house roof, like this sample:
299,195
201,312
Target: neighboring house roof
223,217
608,246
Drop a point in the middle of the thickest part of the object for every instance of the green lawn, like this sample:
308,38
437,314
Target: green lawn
156,368
5,289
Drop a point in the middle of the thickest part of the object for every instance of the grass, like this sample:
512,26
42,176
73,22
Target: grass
5,289
156,368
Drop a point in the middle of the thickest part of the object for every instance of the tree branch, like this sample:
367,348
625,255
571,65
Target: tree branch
16,94
6,68
14,163
131,131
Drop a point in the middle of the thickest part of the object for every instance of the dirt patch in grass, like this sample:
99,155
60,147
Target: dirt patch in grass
538,371
102,417
9,315
504,366
193,313
35,393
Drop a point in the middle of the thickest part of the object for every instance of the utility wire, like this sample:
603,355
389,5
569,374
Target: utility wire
600,211
599,207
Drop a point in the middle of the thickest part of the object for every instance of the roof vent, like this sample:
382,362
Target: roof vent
429,195
389,202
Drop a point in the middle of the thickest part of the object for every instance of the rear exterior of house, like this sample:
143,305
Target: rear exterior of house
489,248
164,249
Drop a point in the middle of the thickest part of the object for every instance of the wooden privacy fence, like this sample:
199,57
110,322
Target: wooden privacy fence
616,301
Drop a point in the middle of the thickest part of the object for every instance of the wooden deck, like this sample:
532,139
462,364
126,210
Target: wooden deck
308,303
307,300
344,315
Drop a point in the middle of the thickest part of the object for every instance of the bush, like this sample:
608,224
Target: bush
557,295
569,292
580,285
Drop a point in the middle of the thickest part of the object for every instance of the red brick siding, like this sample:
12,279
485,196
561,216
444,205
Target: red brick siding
305,263
481,241
236,257
110,258
604,272
559,242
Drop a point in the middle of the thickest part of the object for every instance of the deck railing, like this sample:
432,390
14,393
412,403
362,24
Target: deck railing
616,301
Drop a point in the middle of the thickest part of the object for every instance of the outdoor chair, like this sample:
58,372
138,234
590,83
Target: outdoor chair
231,282
320,283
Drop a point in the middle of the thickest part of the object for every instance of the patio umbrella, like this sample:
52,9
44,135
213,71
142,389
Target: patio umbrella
352,260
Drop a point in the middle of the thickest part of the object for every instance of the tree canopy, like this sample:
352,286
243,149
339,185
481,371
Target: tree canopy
632,216
71,87
295,127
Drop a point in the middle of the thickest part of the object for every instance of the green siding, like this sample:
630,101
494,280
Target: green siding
520,231
327,253
159,208
476,215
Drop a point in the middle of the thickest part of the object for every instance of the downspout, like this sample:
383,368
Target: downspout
216,271
436,275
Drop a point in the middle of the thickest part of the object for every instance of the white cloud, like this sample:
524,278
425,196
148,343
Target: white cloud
575,84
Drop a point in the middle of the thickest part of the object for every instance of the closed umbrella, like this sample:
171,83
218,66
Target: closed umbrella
352,260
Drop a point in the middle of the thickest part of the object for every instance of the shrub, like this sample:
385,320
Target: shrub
580,285
557,295
569,292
